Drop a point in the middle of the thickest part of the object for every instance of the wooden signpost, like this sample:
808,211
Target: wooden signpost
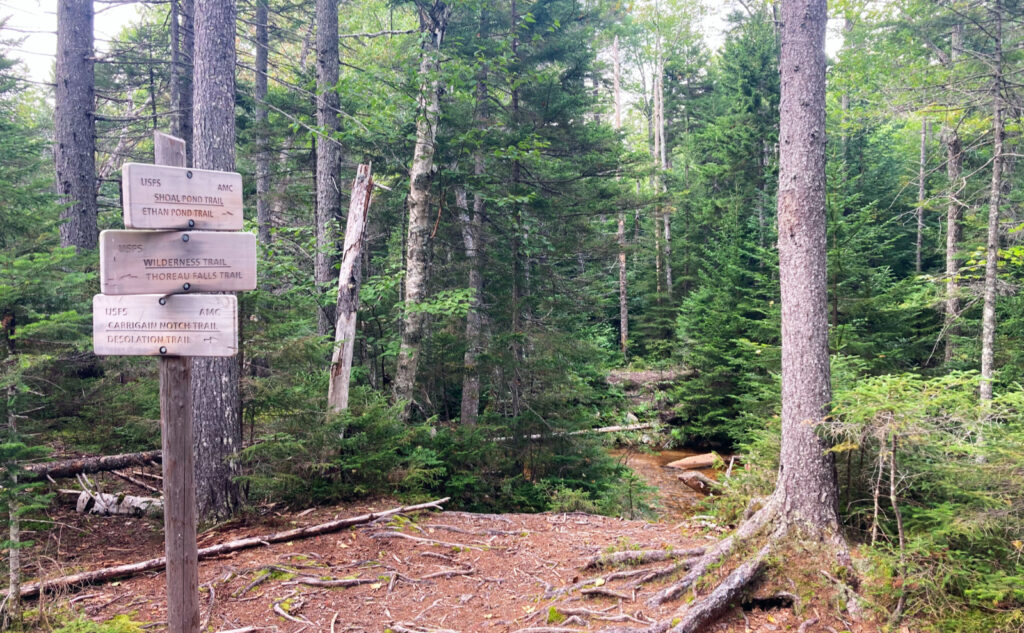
147,309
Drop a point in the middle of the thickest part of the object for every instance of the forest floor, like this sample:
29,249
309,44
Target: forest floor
472,572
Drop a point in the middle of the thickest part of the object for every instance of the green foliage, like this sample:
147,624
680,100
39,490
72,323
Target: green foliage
116,624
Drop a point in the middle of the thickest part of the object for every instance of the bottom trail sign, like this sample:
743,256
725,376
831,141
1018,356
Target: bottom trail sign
165,325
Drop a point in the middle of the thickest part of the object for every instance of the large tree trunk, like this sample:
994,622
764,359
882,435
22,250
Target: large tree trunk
328,154
215,397
349,280
75,124
620,233
182,58
262,121
807,485
433,22
988,314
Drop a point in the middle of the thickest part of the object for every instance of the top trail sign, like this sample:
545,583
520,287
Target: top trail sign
161,197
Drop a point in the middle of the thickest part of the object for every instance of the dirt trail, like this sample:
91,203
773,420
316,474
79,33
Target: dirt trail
466,573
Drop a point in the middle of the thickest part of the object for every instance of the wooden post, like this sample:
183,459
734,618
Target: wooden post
179,475
349,280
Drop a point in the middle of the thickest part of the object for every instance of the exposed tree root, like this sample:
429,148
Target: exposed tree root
717,554
590,614
640,557
608,593
658,574
598,580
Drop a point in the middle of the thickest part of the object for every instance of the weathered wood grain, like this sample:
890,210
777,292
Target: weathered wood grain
166,262
157,325
163,197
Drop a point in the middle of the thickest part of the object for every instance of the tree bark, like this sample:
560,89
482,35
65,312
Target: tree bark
472,235
920,194
215,396
75,124
954,167
954,229
349,280
620,232
328,154
433,22
182,53
807,485
988,316
263,219
86,465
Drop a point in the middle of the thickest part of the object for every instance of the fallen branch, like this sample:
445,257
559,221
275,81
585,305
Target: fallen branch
408,628
72,467
603,429
121,571
331,582
483,532
640,557
133,480
429,541
608,593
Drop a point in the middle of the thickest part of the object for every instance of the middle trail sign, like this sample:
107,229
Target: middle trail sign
171,262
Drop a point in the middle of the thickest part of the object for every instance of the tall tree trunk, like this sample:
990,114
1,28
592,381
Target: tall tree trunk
433,22
663,167
988,315
954,229
75,124
807,479
216,403
954,167
620,233
263,220
328,155
14,521
182,58
350,279
472,234
922,159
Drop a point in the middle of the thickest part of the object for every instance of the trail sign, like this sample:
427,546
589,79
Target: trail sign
159,325
167,262
162,197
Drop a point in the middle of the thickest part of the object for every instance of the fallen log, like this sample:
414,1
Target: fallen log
121,571
107,504
603,429
706,460
72,467
700,482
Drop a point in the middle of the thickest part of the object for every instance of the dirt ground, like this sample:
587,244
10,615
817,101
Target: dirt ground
432,571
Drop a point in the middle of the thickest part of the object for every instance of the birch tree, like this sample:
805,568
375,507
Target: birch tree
433,17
